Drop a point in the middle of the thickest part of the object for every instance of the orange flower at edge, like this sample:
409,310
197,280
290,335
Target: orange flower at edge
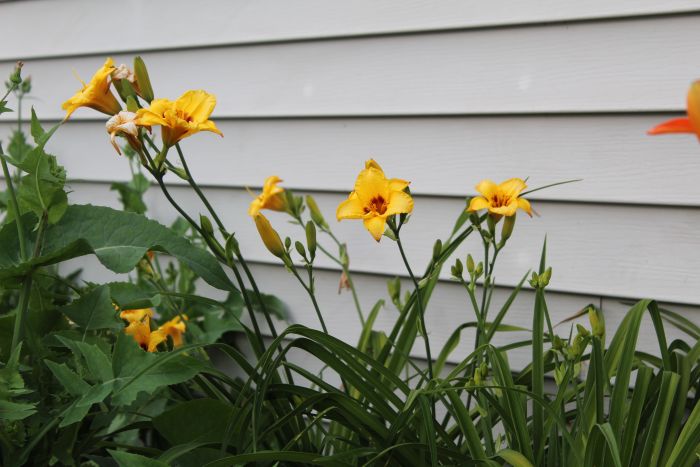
688,124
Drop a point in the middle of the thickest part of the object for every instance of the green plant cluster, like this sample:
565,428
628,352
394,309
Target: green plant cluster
76,388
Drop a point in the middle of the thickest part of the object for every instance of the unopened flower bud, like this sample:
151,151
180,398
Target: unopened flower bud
141,74
205,223
458,269
507,229
269,236
479,270
311,239
545,277
595,317
315,212
300,249
470,264
437,250
16,76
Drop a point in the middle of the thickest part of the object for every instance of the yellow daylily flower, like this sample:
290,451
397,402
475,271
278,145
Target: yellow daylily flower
96,94
272,197
123,124
375,198
136,315
502,199
175,328
139,328
188,115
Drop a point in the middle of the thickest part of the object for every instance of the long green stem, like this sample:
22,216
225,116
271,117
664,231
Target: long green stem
419,301
15,205
312,296
351,283
18,331
195,187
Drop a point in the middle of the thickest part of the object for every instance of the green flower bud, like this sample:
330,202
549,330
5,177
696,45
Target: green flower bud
479,270
507,229
16,76
458,269
311,239
206,225
315,212
595,317
142,79
300,249
470,264
437,250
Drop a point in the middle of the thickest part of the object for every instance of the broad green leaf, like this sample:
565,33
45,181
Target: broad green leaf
73,383
130,296
41,137
118,239
97,362
94,310
137,370
16,410
272,304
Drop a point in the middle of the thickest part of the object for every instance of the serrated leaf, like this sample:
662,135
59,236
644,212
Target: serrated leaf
73,383
94,310
118,239
130,296
4,108
137,370
98,364
41,137
16,410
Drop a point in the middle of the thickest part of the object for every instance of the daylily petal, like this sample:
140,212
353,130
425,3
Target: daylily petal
372,164
399,202
155,339
512,188
396,184
507,210
255,206
525,206
376,226
675,125
371,183
487,188
208,126
198,104
270,186
351,208
477,203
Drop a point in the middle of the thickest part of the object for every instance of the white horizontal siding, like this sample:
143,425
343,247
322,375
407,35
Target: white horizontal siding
78,26
616,251
446,156
612,66
545,89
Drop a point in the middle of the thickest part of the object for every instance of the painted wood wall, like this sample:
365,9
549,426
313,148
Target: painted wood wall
442,93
